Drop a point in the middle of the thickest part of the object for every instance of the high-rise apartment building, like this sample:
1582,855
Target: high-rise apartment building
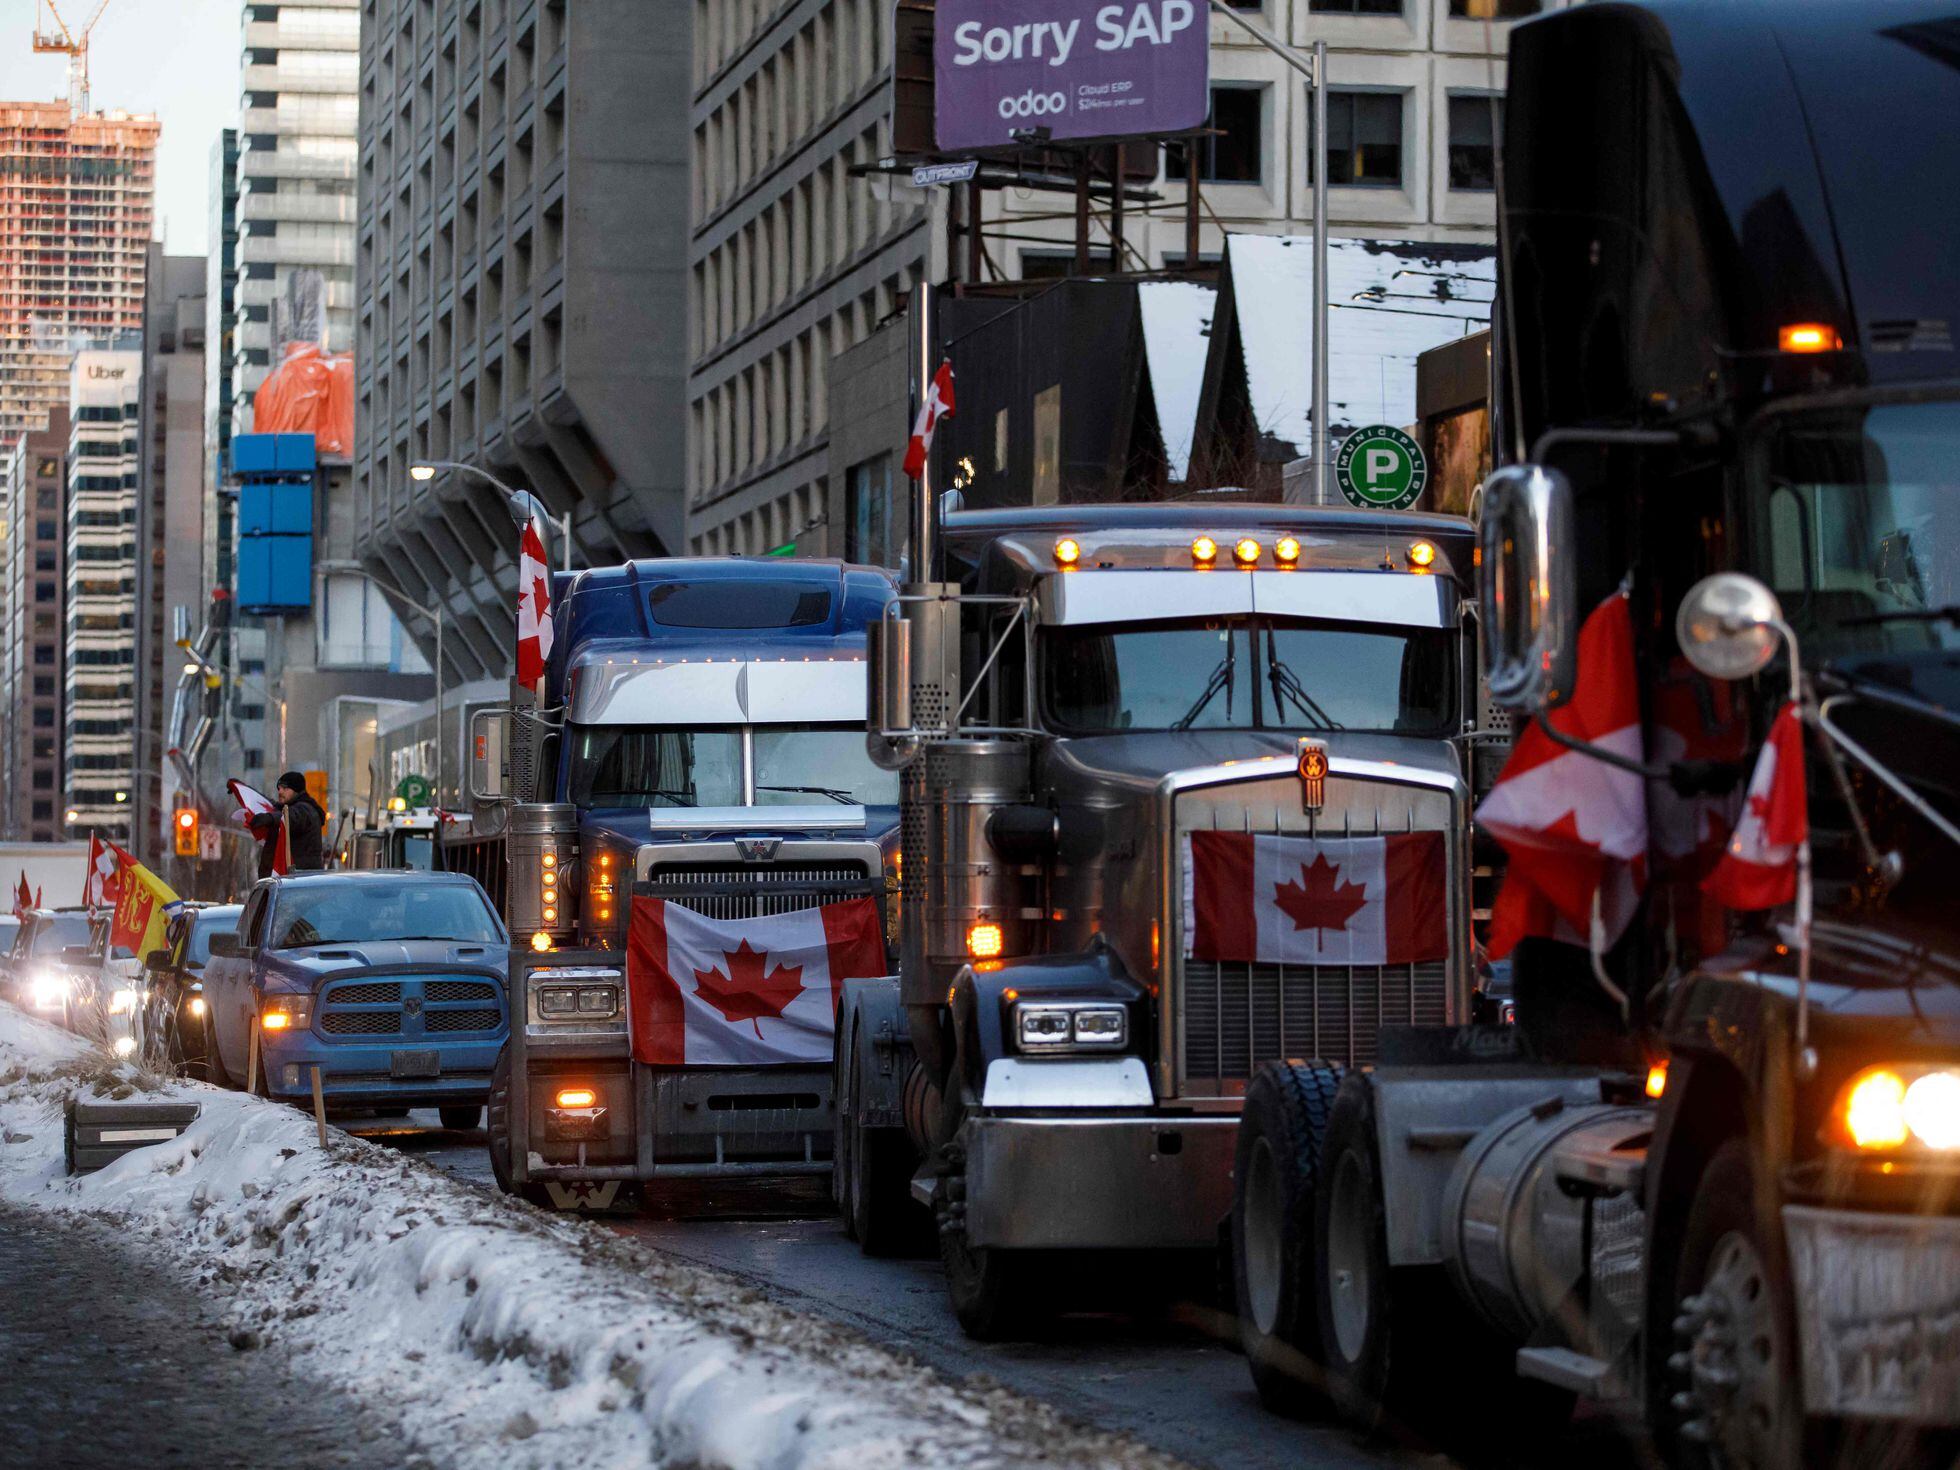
33,531
75,218
170,526
297,144
793,258
522,286
105,459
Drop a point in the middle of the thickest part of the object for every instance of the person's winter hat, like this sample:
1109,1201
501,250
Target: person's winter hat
294,781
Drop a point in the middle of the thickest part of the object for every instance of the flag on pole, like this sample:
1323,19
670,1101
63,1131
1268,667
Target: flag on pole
533,608
938,404
25,898
143,910
743,992
1574,827
102,879
1254,898
1758,869
254,805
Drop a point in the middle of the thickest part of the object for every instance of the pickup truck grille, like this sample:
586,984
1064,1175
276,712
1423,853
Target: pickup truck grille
1237,1016
751,890
410,1008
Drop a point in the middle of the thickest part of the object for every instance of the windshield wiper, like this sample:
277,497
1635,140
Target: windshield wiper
834,793
1947,613
1286,685
1221,678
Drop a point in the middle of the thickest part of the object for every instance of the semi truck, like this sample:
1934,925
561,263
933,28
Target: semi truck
1106,719
1713,1173
698,738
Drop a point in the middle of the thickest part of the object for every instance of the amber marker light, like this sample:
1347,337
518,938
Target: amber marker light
1657,1079
984,941
1875,1110
1808,337
275,1020
576,1097
1204,551
1422,554
1067,552
541,942
1286,551
1246,553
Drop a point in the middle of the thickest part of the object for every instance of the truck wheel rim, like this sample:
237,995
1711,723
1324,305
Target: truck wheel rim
1348,1265
1263,1231
1734,1362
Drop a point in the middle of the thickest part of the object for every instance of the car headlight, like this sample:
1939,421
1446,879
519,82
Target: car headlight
1047,1026
196,1005
1897,1107
576,992
48,989
123,1001
287,1013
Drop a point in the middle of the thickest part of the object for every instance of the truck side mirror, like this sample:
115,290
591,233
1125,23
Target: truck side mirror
888,693
489,740
1525,587
78,954
157,961
224,945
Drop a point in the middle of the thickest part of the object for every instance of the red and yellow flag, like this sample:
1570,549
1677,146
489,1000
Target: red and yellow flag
142,909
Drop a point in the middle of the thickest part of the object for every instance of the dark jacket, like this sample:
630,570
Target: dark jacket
304,820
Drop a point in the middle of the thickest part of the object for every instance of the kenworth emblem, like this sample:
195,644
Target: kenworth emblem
758,849
1313,775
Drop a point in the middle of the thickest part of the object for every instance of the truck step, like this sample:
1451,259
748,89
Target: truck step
1564,1368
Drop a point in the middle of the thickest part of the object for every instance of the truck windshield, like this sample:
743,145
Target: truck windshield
368,913
60,932
1249,673
787,765
1855,520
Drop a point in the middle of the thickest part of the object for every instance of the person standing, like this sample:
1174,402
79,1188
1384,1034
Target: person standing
304,820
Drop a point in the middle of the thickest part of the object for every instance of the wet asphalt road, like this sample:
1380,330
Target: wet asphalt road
1165,1376
108,1363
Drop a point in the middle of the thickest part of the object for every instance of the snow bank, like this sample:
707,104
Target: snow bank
516,1338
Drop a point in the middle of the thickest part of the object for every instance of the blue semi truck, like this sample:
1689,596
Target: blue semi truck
700,738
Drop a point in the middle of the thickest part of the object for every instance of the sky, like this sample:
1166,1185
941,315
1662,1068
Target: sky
175,58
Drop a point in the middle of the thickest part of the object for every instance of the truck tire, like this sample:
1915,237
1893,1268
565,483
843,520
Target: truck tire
1734,1373
214,1064
498,1124
1276,1181
842,1072
991,1289
875,1167
1371,1335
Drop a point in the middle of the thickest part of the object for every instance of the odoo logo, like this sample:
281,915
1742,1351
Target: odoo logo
1033,104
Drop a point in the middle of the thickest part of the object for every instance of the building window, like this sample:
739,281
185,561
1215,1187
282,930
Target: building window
1356,7
44,811
868,505
1233,152
1472,127
1491,9
1046,265
1364,140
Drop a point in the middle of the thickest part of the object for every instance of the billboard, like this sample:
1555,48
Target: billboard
1078,68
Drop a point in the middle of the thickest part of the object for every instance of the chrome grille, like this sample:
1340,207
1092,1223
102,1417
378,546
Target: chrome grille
759,888
361,1023
459,990
484,1019
373,994
1237,1017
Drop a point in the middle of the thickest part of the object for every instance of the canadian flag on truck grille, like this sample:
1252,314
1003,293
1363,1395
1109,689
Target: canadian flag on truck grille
1381,900
743,992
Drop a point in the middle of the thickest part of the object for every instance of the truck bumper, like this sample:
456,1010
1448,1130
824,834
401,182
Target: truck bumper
1878,1313
1098,1181
369,1076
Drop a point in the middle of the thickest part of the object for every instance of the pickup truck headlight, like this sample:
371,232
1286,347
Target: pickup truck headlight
287,1013
1050,1026
124,1000
1896,1107
48,990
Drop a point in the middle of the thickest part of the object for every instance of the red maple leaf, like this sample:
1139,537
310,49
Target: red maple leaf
745,993
1317,901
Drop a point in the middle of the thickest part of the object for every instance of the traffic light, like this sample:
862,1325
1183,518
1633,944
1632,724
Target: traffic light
186,829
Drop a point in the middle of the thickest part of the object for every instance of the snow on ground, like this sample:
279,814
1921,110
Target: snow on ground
513,1338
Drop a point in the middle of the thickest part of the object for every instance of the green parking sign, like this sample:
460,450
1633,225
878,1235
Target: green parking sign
1380,468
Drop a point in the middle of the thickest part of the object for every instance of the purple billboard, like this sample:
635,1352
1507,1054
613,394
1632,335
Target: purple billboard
1078,68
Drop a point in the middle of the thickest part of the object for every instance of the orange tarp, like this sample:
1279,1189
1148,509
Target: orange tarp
310,392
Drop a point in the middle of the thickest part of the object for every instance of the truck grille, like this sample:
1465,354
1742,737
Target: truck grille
483,1019
1237,1017
381,1009
751,890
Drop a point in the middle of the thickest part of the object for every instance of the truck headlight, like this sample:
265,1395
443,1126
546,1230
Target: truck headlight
1884,1108
1070,1025
287,1013
576,993
48,990
123,1001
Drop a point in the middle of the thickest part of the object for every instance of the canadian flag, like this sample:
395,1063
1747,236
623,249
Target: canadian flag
533,608
1316,900
25,898
252,804
1574,827
938,404
1758,869
743,992
102,881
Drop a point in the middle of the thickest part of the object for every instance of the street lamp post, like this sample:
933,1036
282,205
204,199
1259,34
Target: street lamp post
523,503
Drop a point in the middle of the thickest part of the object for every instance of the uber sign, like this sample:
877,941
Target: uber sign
1078,68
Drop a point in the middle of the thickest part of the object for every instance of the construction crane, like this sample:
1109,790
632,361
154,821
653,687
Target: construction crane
72,44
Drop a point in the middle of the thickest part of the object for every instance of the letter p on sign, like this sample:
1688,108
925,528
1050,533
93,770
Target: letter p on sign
1381,462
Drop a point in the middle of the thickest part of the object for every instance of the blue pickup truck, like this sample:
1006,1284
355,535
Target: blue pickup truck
391,983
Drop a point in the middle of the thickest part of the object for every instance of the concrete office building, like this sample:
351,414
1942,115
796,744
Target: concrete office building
105,458
298,123
33,531
792,259
75,217
522,294
220,341
170,526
